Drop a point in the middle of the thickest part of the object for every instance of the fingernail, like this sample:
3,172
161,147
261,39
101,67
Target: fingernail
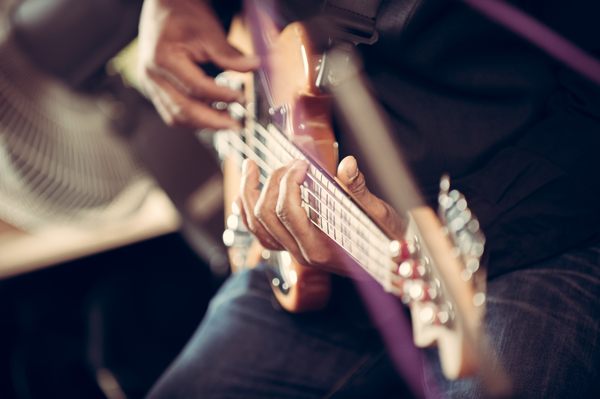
245,166
352,171
299,170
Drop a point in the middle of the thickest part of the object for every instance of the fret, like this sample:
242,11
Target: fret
343,228
373,253
346,202
359,255
345,215
259,162
347,232
263,148
354,210
338,194
374,240
376,263
364,220
238,157
330,203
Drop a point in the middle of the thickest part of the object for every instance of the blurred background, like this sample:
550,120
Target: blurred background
110,222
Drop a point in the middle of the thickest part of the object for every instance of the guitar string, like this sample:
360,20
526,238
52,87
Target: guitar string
281,138
331,209
315,179
379,264
263,179
393,278
321,185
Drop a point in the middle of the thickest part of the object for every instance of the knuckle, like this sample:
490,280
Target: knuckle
253,226
360,188
282,212
260,212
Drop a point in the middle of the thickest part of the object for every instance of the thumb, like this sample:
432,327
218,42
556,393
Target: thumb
354,181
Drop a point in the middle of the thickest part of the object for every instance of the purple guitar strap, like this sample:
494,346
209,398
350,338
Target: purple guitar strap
540,35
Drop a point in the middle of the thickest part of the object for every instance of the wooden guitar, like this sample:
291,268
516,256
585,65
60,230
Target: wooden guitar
287,117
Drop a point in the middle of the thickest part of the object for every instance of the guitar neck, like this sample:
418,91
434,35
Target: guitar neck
326,202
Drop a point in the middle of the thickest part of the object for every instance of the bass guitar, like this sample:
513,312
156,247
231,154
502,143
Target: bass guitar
286,118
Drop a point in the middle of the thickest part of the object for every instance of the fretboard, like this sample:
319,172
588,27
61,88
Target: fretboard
327,204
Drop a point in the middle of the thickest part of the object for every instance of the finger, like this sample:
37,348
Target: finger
293,216
191,81
158,102
349,175
315,245
265,212
185,112
225,56
249,194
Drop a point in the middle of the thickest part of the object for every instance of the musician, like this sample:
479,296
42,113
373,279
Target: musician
518,133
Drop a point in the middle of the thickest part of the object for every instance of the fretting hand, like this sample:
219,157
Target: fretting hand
275,215
176,36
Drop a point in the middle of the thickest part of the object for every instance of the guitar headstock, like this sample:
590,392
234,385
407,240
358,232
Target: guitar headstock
440,270
465,233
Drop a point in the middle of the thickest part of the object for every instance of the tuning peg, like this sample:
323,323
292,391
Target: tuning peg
433,315
412,268
230,80
443,317
428,314
422,291
403,249
479,299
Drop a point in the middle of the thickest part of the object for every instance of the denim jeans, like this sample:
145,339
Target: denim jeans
543,321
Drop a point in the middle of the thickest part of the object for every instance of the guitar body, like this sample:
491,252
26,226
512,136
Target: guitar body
293,66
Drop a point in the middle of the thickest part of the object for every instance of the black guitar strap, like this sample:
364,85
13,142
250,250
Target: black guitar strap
354,20
343,24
